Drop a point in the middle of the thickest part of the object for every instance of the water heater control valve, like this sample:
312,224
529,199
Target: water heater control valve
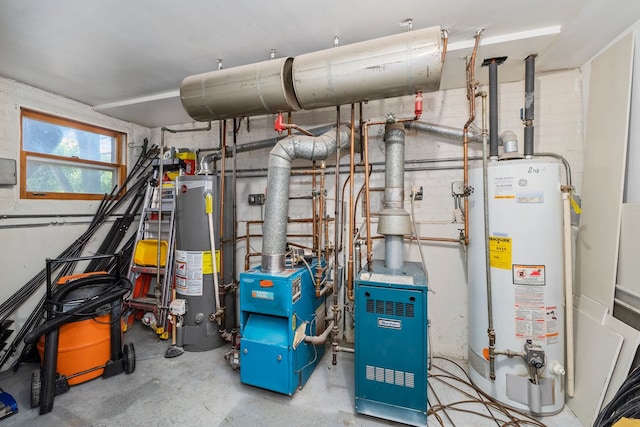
533,355
178,307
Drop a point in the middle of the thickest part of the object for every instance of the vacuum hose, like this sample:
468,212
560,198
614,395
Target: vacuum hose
72,315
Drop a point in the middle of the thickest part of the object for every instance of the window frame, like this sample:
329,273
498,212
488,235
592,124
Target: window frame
119,165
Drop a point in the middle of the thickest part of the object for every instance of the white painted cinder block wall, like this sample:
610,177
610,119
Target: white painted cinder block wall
24,249
558,128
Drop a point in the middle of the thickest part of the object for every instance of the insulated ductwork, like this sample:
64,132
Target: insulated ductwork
493,104
262,88
274,240
442,131
397,65
393,221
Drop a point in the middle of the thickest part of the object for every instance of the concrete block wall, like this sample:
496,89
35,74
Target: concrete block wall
27,242
558,128
558,121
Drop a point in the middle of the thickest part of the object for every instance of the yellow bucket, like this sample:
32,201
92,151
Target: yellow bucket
146,252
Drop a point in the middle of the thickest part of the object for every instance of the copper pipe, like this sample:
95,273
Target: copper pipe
350,272
471,96
340,239
298,128
314,206
365,149
297,245
360,193
445,40
248,235
305,172
326,288
247,247
325,218
318,275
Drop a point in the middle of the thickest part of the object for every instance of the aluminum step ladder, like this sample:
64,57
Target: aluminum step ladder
152,262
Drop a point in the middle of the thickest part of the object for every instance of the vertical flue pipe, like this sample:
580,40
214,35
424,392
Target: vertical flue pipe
494,133
529,85
274,239
493,110
393,221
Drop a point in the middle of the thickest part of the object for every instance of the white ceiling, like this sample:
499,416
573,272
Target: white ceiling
127,58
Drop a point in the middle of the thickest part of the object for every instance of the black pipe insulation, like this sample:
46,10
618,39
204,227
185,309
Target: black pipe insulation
529,84
493,63
493,109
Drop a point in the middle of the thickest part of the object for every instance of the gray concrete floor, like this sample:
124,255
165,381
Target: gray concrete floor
200,389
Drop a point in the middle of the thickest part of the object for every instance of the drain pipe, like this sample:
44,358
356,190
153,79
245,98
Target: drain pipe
274,239
393,221
529,84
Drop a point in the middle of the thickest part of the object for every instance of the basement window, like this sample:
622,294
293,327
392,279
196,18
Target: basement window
68,160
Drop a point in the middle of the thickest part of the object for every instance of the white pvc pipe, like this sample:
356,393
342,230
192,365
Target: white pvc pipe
216,285
568,289
322,338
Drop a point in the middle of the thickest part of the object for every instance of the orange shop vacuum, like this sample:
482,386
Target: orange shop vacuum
81,337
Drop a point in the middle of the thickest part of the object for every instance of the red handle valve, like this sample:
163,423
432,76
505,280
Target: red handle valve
279,125
418,104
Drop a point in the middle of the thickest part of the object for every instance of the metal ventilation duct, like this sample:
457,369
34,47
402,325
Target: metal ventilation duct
392,66
262,88
274,240
387,67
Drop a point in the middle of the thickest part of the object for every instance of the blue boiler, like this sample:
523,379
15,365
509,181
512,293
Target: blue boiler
391,343
277,311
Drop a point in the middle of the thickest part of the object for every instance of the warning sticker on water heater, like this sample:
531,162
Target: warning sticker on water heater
528,275
500,252
189,272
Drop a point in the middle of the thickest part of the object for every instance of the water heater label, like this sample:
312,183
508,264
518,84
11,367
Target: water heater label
189,272
500,252
389,323
207,262
529,275
530,197
503,187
